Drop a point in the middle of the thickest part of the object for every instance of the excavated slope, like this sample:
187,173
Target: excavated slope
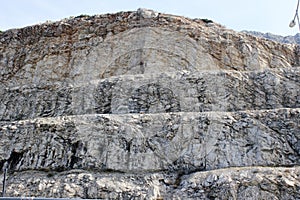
145,105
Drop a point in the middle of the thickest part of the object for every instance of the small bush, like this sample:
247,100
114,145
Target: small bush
207,21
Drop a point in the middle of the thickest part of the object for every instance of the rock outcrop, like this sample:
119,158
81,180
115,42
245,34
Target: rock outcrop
145,105
278,38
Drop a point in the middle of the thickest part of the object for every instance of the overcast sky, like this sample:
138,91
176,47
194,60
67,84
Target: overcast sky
271,16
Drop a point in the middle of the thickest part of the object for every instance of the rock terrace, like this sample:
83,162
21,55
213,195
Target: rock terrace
146,105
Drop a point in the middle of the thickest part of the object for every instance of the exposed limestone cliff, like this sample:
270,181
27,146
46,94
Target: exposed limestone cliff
146,105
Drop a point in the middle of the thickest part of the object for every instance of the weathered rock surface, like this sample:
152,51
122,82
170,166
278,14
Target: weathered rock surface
147,105
153,142
232,183
157,93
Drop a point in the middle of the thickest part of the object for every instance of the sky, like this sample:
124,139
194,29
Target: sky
267,16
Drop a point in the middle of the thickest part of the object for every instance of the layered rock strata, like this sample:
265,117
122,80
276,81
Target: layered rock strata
147,105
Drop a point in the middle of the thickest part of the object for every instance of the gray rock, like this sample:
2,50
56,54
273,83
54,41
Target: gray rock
145,105
145,13
278,38
231,183
184,142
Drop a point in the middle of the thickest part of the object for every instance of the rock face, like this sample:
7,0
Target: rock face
145,105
